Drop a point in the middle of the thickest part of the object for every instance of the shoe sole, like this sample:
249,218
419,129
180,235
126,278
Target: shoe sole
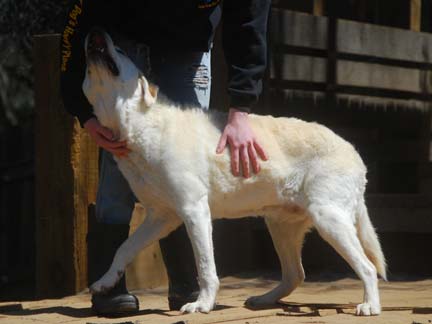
120,309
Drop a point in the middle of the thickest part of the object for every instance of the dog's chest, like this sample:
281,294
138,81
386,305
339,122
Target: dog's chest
142,177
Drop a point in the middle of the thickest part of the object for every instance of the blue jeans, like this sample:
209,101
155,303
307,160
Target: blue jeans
184,78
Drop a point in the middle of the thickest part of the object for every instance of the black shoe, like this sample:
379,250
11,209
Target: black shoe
102,243
181,269
115,304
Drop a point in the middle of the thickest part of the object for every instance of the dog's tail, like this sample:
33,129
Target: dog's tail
369,240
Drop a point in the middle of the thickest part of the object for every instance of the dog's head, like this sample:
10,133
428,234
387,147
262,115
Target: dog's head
112,79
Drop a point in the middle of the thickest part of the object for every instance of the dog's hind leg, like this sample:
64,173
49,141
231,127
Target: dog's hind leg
336,227
152,229
288,241
198,223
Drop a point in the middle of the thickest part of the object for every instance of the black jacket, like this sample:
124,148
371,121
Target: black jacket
165,25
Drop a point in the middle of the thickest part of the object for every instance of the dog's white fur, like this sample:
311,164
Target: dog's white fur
313,178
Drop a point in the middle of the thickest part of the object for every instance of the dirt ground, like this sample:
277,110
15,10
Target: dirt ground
312,303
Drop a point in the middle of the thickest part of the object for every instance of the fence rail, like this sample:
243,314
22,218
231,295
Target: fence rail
338,58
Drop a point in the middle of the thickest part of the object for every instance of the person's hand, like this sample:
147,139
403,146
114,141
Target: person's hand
244,147
104,138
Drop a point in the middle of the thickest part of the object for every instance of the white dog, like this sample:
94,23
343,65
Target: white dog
313,178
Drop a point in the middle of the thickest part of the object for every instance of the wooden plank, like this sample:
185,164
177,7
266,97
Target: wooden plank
301,29
53,260
65,183
386,100
298,29
415,15
365,74
297,67
387,42
84,161
363,96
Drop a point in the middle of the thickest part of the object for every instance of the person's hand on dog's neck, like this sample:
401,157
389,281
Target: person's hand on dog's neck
243,144
105,138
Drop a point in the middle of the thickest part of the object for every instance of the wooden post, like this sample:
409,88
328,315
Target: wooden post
415,15
66,176
318,7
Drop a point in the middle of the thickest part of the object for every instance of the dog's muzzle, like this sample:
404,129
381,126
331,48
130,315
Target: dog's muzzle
98,51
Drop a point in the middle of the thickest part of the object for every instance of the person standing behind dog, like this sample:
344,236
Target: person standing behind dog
172,41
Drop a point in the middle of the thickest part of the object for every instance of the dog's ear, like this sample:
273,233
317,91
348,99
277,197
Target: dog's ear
149,91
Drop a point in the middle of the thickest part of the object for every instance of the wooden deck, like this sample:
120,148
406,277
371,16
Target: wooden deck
313,302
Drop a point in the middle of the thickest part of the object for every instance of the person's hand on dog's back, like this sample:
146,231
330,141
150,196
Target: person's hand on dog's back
244,147
104,138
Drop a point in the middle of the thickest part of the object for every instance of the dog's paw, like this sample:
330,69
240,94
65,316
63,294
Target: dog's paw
257,302
368,309
197,306
105,284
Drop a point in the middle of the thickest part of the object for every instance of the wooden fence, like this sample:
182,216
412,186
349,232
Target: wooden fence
348,60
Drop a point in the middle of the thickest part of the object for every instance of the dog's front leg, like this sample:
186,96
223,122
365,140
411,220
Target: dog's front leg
198,223
152,229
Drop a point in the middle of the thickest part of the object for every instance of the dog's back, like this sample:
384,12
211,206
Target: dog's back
299,152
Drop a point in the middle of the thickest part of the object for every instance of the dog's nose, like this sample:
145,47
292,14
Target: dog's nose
97,38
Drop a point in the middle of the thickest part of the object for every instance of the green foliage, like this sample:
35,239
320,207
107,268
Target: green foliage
19,21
